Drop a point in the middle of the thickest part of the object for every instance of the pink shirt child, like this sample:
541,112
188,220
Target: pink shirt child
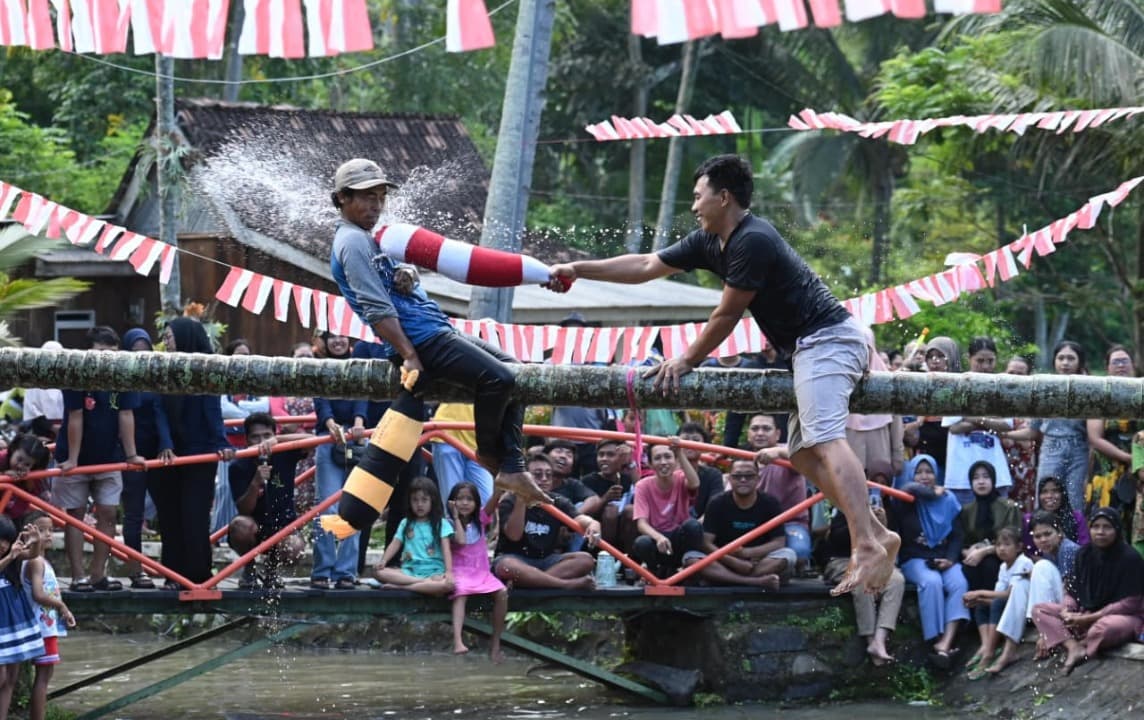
663,511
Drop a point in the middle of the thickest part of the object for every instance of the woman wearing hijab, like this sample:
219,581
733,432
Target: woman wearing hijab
942,355
930,554
1107,609
1052,498
183,493
975,438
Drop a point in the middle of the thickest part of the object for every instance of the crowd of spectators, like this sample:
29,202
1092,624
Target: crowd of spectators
1013,519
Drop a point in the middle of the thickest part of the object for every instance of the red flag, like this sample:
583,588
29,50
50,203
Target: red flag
468,26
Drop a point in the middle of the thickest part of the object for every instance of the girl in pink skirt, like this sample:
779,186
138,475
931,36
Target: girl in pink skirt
471,572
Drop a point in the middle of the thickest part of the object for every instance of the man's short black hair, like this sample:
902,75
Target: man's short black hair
259,418
694,428
559,443
102,335
731,173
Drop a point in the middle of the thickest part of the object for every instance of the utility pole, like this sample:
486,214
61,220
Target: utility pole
167,175
675,150
507,204
233,58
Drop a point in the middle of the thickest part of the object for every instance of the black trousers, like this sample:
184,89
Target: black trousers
480,367
686,537
183,495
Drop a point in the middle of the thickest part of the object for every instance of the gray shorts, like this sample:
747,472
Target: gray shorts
828,363
70,492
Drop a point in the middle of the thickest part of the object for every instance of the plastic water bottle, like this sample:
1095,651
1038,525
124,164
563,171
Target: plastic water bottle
606,567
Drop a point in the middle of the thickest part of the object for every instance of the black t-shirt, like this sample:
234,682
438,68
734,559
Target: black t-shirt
727,521
576,491
790,302
710,485
599,484
100,408
542,533
274,509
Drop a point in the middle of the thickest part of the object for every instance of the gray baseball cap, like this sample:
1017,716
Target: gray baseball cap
359,174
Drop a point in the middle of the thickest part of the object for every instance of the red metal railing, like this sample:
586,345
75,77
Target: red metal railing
438,431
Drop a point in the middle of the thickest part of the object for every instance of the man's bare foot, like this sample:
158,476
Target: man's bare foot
878,654
1003,661
496,654
870,568
523,486
769,583
583,583
460,649
1075,657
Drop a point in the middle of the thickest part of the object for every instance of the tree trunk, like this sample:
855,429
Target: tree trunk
1001,395
883,190
233,58
663,223
1138,288
167,175
637,164
507,203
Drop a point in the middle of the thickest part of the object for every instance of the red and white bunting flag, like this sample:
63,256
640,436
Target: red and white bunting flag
1060,229
908,9
167,259
61,219
321,302
258,293
826,13
146,255
197,28
637,343
467,26
645,17
1042,242
738,19
683,20
1000,262
127,244
272,27
63,25
235,284
966,7
30,204
40,217
735,343
83,231
40,35
465,327
107,237
147,25
791,14
8,195
566,349
302,305
904,304
13,23
281,291
337,26
100,26
883,307
859,10
618,128
341,318
679,337
603,347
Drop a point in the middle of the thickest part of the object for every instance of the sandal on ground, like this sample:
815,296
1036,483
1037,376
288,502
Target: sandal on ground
107,584
141,581
82,585
319,584
345,584
977,673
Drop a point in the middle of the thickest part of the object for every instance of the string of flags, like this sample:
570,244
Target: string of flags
619,128
255,292
676,21
907,132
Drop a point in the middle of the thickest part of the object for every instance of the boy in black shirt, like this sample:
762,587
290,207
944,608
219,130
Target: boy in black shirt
263,490
798,314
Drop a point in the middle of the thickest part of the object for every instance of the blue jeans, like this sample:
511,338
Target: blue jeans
452,467
224,509
1066,458
940,595
333,560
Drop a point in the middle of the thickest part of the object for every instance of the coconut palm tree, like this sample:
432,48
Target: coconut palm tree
17,246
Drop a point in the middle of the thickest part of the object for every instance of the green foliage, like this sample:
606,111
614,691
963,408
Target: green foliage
913,683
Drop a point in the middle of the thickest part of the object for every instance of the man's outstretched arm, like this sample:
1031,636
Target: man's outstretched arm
630,269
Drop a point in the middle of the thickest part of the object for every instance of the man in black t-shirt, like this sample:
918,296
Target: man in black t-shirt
562,453
710,478
762,274
263,491
613,484
531,544
764,561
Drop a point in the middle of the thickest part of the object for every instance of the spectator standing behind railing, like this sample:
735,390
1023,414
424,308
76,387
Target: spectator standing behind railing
781,482
152,432
263,491
662,511
765,562
450,465
183,493
876,439
282,406
100,429
710,478
45,402
234,407
24,454
931,550
336,561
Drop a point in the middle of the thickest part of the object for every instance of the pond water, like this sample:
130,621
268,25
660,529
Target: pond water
300,682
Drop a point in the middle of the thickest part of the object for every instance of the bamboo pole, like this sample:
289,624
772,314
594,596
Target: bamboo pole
743,390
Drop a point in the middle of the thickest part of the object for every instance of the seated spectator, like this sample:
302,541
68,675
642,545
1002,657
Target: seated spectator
100,429
24,454
1054,567
531,551
931,549
980,521
1107,609
972,440
422,541
1052,498
450,465
562,453
1000,612
876,613
662,511
781,482
710,478
263,491
765,561
613,482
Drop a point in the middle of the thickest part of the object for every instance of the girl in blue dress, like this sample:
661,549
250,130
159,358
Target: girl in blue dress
20,638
